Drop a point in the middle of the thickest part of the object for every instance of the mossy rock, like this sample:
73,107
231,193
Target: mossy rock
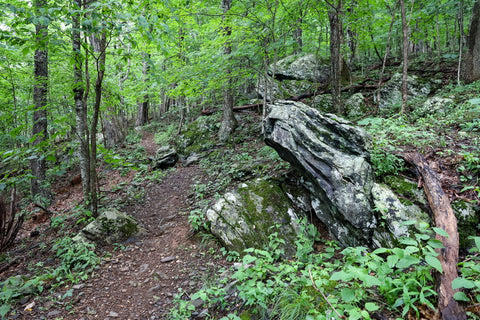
111,226
467,222
392,213
407,190
467,214
247,216
198,135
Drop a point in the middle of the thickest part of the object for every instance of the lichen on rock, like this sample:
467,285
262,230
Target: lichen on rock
111,226
247,216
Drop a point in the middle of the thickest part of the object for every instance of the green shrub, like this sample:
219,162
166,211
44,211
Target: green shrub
353,282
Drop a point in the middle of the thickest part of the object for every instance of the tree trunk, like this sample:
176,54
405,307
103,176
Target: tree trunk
80,97
229,123
335,54
40,91
298,36
471,63
384,60
100,44
142,114
445,219
115,127
405,56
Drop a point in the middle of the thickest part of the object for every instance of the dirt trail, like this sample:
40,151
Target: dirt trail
140,280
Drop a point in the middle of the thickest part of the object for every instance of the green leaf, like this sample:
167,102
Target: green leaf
440,231
475,101
143,22
462,283
392,261
435,244
370,306
409,242
434,262
4,309
380,250
341,275
410,249
407,261
347,294
460,296
422,236
249,259
26,50
369,280
408,223
477,241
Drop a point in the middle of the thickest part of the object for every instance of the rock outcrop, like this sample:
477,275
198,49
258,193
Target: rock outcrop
295,75
391,92
333,157
247,216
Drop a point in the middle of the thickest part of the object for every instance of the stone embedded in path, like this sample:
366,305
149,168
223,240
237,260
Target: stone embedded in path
168,259
111,226
166,157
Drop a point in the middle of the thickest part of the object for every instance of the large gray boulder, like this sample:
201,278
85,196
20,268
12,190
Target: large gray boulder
302,67
333,157
247,216
296,75
391,92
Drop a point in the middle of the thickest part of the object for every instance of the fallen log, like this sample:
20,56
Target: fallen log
445,219
356,87
248,106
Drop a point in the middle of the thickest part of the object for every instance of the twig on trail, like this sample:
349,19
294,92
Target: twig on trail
323,295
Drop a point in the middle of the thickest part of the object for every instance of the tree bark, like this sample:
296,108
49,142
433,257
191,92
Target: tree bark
334,16
229,123
40,91
384,60
445,219
298,36
80,97
142,114
405,56
470,70
100,45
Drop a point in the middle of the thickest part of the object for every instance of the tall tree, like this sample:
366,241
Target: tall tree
405,55
40,92
229,123
142,113
99,42
88,135
470,70
336,38
80,90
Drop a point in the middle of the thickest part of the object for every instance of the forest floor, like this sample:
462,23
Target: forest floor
140,279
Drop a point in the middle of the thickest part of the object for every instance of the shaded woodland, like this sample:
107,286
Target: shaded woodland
81,81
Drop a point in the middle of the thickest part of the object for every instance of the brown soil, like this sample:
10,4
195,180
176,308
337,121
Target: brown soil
140,280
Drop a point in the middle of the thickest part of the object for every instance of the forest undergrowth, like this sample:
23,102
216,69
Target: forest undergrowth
323,281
